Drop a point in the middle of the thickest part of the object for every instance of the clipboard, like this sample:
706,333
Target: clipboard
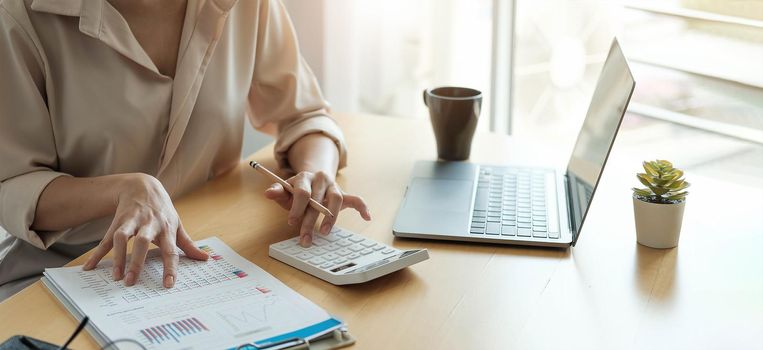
312,323
339,338
333,341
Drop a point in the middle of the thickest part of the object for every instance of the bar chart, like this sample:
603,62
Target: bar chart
174,331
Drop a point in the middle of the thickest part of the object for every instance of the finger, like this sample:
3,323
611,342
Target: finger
334,202
319,186
169,255
307,226
277,193
120,238
185,243
99,252
103,247
357,203
140,247
302,192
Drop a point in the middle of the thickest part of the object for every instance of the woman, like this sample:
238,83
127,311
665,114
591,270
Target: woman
108,109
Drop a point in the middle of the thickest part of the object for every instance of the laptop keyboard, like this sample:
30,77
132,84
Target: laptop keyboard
512,202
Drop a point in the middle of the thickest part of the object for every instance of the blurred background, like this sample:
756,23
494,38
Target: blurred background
698,65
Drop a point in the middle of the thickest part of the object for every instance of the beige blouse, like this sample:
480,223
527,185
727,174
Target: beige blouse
80,97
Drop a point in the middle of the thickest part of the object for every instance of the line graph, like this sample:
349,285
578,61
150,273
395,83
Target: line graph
250,316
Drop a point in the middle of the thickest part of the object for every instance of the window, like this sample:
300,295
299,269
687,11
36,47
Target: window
696,62
378,56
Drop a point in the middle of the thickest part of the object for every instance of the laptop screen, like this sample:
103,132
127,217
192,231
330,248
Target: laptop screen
610,99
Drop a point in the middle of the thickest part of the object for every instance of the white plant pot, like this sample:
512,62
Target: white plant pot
658,225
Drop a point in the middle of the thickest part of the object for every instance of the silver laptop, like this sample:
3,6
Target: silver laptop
520,205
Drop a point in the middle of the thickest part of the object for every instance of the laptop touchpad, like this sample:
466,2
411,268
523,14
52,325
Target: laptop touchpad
439,195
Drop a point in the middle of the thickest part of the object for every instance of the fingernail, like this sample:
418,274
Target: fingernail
117,273
291,221
305,241
325,229
169,281
130,278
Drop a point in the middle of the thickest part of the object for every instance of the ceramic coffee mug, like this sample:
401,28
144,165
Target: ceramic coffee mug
454,112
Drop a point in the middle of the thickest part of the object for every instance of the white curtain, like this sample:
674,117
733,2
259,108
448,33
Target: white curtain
377,56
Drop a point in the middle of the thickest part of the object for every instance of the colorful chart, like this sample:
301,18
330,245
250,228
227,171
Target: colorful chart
191,274
211,252
173,331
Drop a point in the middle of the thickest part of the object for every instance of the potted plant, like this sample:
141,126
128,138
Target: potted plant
659,208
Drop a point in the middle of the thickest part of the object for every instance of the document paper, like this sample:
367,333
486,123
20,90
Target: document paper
220,303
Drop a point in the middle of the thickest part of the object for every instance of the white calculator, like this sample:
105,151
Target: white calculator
344,257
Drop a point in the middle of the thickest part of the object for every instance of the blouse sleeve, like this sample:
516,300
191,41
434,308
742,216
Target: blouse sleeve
27,147
284,97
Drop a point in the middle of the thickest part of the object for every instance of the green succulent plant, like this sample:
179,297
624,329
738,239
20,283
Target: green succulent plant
664,183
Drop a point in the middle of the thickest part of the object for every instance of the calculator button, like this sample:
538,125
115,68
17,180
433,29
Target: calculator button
388,251
340,260
366,251
353,256
355,248
320,241
368,244
344,234
293,251
318,251
331,237
344,243
335,229
332,247
378,247
327,265
317,261
356,239
330,256
304,256
344,252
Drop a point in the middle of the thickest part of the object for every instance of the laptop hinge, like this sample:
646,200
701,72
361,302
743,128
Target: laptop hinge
570,208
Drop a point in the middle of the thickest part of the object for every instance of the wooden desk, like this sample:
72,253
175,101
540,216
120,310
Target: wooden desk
606,293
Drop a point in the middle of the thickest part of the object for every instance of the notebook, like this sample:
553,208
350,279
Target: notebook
221,303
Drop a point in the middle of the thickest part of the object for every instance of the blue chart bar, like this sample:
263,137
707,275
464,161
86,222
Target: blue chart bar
173,331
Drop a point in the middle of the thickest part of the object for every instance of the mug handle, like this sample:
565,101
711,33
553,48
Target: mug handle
425,98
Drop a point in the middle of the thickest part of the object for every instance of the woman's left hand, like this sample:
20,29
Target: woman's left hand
321,187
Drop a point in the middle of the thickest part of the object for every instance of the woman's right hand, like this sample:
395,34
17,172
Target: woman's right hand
144,211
